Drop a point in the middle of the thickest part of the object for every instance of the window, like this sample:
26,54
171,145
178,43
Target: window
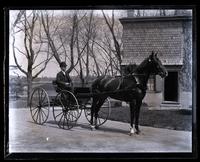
151,83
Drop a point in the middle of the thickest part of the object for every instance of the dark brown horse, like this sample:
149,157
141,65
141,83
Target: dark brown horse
130,88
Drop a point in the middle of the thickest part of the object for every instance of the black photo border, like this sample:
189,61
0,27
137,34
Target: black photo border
64,156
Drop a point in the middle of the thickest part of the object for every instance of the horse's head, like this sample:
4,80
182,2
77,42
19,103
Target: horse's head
156,66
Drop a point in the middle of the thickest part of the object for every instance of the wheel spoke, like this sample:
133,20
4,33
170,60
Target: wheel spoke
68,109
44,113
70,116
39,116
99,120
60,120
43,98
35,113
58,114
73,115
64,122
67,123
39,98
39,95
61,103
45,108
34,108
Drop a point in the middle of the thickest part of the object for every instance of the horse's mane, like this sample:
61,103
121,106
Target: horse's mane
141,66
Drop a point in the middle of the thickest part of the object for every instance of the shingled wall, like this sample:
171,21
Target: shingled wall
143,35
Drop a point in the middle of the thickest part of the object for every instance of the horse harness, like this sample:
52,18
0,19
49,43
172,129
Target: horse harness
138,84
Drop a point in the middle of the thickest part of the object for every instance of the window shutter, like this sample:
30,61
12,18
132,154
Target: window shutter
158,84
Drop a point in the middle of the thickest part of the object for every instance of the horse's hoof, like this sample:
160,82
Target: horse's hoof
92,127
130,134
137,132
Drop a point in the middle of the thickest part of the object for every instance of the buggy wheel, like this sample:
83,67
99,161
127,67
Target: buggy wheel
39,105
66,109
103,113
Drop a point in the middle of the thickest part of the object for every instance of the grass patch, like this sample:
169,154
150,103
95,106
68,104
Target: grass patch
17,103
170,119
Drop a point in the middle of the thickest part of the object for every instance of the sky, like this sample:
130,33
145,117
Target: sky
52,67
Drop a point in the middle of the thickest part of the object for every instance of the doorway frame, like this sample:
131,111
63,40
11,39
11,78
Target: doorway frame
172,68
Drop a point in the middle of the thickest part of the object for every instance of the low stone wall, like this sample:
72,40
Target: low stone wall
153,99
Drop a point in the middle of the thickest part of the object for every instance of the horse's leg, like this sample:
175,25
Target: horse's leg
98,106
93,107
137,114
132,109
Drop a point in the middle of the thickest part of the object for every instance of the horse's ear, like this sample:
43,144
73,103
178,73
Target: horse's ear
151,56
156,54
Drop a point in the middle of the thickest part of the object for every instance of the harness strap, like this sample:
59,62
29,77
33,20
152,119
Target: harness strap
109,82
120,82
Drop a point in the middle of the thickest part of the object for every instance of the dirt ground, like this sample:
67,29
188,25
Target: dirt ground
113,136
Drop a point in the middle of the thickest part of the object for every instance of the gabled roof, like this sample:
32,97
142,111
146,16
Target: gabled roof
155,18
138,60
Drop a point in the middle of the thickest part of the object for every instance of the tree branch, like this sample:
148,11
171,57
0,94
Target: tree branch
19,67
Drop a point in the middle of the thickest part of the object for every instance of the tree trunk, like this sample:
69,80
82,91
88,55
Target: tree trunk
29,82
87,63
81,74
111,65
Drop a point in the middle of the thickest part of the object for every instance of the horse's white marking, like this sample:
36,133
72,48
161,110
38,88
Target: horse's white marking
132,131
137,80
92,127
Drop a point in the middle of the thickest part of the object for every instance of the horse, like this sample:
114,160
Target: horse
130,88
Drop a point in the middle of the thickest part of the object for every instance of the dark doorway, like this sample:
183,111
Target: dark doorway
171,87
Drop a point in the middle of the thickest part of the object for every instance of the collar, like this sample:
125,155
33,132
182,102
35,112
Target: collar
63,72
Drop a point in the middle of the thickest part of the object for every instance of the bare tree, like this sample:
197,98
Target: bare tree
47,22
80,52
28,24
106,51
90,34
117,45
61,41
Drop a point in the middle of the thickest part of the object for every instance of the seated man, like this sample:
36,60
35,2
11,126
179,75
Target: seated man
63,79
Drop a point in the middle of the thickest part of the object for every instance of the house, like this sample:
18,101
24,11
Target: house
171,37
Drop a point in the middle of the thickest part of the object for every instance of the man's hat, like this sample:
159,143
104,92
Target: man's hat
63,64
